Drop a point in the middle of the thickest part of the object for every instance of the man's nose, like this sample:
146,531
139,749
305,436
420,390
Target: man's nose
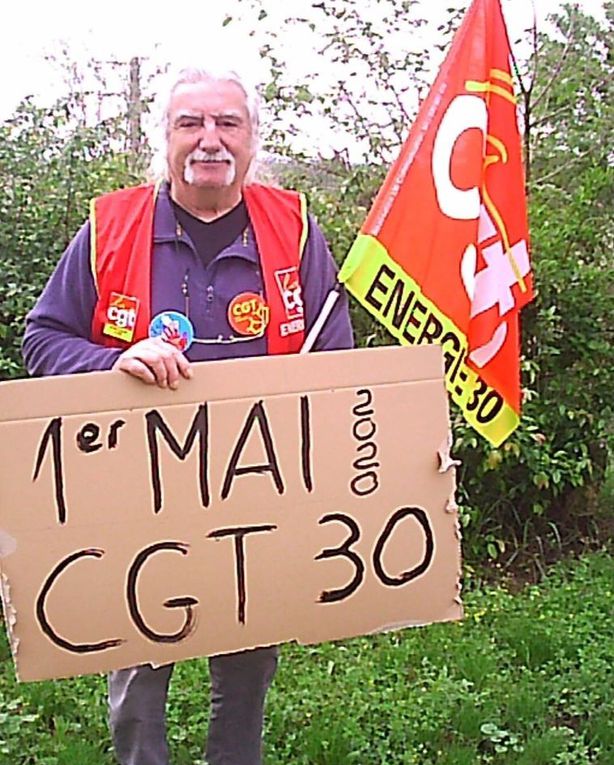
209,138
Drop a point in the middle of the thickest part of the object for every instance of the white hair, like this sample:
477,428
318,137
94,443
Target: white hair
191,74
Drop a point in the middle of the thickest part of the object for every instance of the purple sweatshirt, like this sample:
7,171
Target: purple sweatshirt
57,334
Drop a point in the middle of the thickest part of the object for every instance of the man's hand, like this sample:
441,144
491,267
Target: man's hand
155,362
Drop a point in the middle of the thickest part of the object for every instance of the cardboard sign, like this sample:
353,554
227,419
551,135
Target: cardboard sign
272,499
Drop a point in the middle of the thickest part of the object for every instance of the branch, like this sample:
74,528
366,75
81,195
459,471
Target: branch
592,86
525,91
546,118
559,66
556,171
400,104
536,47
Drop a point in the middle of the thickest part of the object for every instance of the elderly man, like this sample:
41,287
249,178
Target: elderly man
203,266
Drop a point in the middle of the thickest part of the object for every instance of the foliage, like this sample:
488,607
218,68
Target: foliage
364,70
51,165
524,680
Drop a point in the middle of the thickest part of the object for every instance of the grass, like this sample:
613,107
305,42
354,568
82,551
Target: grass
526,679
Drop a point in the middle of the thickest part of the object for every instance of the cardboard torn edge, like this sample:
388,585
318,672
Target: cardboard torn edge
445,463
445,460
10,617
384,628
452,507
255,647
8,544
411,623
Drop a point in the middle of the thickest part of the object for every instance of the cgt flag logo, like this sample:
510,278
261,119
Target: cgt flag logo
287,280
443,255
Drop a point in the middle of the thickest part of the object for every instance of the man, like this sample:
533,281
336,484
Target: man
204,266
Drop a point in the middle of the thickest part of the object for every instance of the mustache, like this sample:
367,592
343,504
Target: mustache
221,155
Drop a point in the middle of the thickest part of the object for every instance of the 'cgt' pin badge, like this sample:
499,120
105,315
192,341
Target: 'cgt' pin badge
248,314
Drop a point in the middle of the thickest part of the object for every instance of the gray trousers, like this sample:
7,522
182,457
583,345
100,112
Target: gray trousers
239,682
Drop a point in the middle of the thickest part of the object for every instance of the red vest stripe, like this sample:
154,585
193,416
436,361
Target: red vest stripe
280,229
122,239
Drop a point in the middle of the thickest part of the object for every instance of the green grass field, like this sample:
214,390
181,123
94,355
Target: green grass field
526,679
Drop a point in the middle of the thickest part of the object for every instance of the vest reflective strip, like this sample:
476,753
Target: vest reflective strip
93,245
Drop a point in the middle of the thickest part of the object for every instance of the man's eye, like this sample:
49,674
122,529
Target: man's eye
188,122
227,123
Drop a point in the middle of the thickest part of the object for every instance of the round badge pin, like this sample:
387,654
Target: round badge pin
174,328
248,314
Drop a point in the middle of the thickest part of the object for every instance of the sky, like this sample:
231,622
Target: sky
116,30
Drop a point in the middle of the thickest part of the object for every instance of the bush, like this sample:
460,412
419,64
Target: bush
50,167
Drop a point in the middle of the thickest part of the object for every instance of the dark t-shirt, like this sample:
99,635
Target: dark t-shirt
210,239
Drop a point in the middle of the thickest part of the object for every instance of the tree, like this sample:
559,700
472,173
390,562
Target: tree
51,165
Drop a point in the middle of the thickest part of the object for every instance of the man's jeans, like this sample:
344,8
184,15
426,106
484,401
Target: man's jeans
239,682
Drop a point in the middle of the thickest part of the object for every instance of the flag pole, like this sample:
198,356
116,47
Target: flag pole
318,325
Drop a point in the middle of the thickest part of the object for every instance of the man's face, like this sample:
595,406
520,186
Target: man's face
210,137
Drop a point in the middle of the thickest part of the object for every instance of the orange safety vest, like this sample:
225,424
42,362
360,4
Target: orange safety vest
121,232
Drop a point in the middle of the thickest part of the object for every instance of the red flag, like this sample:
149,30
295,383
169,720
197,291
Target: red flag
443,254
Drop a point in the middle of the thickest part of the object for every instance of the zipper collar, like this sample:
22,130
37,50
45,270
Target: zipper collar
167,229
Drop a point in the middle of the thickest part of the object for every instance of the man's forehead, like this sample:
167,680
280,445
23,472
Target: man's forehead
180,112
219,96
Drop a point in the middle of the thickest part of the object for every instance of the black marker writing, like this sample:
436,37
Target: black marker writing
364,430
362,408
41,614
257,414
87,438
407,576
306,443
367,452
53,433
113,439
364,484
239,534
200,428
185,602
344,550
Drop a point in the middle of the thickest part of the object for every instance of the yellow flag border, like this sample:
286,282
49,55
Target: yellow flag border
392,297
